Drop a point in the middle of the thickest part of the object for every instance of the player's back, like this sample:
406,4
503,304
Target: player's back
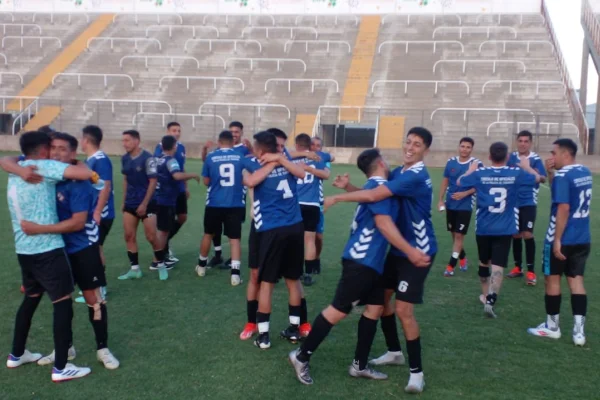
100,163
225,168
75,197
454,170
310,188
167,187
138,170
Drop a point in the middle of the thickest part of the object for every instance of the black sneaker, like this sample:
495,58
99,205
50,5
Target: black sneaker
291,333
262,341
214,262
226,265
308,280
170,262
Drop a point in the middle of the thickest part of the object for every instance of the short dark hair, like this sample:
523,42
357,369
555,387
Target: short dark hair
498,152
226,136
568,145
31,142
236,124
526,134
46,129
267,141
367,160
316,138
303,140
168,142
423,134
93,134
133,133
278,133
468,140
70,139
170,124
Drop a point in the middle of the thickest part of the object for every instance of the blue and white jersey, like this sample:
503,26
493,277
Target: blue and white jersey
138,171
454,170
326,158
74,197
225,169
167,188
310,189
413,186
497,208
101,164
572,185
179,156
366,245
241,149
527,195
275,200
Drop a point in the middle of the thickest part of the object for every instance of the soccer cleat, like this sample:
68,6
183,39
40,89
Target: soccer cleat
201,271
131,274
578,339
389,358
305,329
226,264
214,262
488,310
70,372
26,358
171,256
107,358
262,341
80,300
250,329
154,266
49,359
307,280
516,272
542,330
235,280
464,264
368,373
449,271
163,274
170,261
416,383
291,333
531,278
302,368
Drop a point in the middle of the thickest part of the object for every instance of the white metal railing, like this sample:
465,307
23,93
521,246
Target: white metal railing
496,110
136,16
494,62
312,81
536,83
436,83
127,101
409,16
2,74
292,29
40,38
279,61
22,100
234,41
328,42
547,124
192,27
69,15
164,115
487,29
22,26
11,15
505,15
238,15
527,42
135,41
254,105
27,111
104,76
300,17
201,78
170,58
3,56
434,42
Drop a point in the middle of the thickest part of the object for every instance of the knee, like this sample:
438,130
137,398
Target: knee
129,237
254,276
151,237
373,312
404,311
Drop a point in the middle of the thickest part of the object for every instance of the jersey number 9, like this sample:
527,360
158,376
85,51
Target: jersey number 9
226,171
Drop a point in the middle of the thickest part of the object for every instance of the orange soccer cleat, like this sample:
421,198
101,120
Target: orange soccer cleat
305,329
250,329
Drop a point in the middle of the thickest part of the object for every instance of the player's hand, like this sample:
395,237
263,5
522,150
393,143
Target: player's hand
459,195
29,175
209,145
197,179
247,144
341,181
473,167
524,163
270,157
311,155
418,258
187,192
328,202
97,216
30,228
141,210
441,206
549,163
557,251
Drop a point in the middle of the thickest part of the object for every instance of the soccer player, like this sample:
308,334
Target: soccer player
181,208
497,215
457,202
76,207
362,267
567,244
411,184
44,263
225,204
310,193
139,184
527,204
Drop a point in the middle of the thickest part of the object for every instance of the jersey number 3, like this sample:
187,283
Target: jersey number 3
499,200
585,198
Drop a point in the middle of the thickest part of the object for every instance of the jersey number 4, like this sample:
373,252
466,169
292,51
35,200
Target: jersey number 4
284,187
499,200
585,198
226,171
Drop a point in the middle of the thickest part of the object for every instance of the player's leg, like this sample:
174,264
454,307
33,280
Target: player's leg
577,256
233,230
484,253
451,226
130,225
181,212
517,245
499,259
310,217
291,269
105,227
217,259
253,285
527,225
212,227
165,218
319,241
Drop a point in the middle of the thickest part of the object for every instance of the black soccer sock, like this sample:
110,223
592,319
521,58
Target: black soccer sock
462,254
317,267
202,262
23,323
167,249
99,321
310,266
413,348
518,252
530,254
390,332
133,258
367,328
319,332
491,299
303,312
176,227
159,255
262,320
251,310
63,311
294,313
579,304
453,260
217,244
552,304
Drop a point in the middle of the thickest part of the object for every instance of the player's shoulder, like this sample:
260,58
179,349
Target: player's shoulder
535,156
452,160
374,181
574,171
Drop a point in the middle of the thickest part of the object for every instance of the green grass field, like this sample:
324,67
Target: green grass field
179,339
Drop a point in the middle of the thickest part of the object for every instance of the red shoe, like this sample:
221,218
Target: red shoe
516,272
305,329
249,330
531,278
449,271
22,289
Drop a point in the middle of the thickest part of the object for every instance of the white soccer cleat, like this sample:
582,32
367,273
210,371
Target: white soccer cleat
27,358
389,358
235,280
578,337
416,383
49,359
107,358
542,330
70,372
201,271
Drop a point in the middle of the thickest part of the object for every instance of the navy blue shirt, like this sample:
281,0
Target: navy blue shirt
74,197
167,187
179,156
225,169
138,171
101,164
454,170
528,195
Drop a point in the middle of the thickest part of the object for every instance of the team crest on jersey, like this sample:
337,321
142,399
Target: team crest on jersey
138,169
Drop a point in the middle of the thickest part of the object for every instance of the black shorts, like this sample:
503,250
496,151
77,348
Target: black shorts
87,268
574,265
494,249
358,285
253,247
229,218
527,217
105,227
181,205
458,221
150,211
409,279
165,218
281,253
48,272
390,275
310,216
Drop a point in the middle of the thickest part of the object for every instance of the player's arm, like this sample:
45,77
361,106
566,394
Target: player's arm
539,167
343,182
257,177
443,189
152,182
207,146
469,177
362,196
73,224
562,216
388,229
105,173
319,173
206,173
186,176
80,172
11,165
311,155
151,173
124,191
